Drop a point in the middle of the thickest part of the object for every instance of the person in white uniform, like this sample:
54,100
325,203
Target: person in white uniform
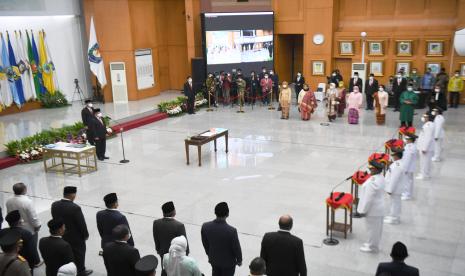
395,183
409,164
371,206
438,133
426,146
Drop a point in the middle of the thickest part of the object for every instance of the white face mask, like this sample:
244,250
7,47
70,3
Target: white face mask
298,75
381,89
90,105
457,75
332,86
410,89
334,74
99,115
399,76
271,72
437,90
189,80
371,78
355,77
414,72
434,113
423,119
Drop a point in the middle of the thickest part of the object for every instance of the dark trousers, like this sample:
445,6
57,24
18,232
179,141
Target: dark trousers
275,94
100,147
369,98
396,100
79,252
35,253
223,271
454,99
190,104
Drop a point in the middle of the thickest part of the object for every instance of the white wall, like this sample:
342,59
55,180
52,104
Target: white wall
39,7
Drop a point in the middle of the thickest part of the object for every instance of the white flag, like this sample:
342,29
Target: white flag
25,69
95,60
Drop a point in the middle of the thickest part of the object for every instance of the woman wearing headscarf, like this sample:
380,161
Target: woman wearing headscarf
341,96
285,100
307,103
176,263
380,100
354,103
332,102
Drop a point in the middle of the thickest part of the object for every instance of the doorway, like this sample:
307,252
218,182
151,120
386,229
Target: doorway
289,56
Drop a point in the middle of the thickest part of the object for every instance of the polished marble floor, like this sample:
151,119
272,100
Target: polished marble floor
273,167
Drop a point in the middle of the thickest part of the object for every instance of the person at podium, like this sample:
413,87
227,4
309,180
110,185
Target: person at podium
99,133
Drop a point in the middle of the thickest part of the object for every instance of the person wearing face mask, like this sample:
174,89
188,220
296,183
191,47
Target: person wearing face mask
267,85
252,87
380,99
354,103
285,100
371,87
87,113
341,98
426,86
455,87
409,164
398,87
441,80
210,84
438,133
226,88
274,77
355,81
436,98
190,94
415,79
395,183
307,103
371,206
241,84
335,77
99,133
426,146
299,84
408,99
262,74
331,102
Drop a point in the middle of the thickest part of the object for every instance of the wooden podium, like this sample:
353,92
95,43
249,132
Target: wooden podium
345,202
358,178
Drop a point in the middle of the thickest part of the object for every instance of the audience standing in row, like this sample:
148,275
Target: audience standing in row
119,256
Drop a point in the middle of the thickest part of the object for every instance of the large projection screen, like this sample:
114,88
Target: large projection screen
238,40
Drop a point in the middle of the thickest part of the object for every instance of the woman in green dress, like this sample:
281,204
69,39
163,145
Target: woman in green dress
408,100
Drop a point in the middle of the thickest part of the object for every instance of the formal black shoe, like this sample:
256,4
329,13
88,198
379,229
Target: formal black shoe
101,159
106,157
86,272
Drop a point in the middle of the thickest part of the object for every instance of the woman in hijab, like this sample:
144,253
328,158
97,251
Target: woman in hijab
307,103
176,263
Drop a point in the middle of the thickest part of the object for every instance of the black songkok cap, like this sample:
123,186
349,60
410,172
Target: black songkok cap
9,237
146,265
222,209
55,224
96,110
69,190
110,198
167,207
399,251
13,217
87,101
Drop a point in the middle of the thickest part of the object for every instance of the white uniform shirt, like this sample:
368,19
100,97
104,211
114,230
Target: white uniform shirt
409,158
23,204
395,178
372,198
426,139
439,126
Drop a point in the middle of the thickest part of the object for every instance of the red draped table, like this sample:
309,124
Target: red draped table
331,206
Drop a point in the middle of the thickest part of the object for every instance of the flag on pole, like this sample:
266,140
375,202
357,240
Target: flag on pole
23,66
6,97
47,72
35,53
14,76
95,59
33,64
50,62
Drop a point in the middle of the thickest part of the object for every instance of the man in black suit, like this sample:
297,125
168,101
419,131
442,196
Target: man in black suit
275,78
146,266
87,114
166,229
54,249
108,219
398,86
119,257
257,267
298,85
27,251
190,94
99,133
283,252
76,232
356,81
221,243
371,87
262,74
397,267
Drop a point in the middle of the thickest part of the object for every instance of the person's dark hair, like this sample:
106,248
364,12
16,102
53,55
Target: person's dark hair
381,85
356,74
443,70
120,232
19,188
399,251
285,222
457,71
257,266
372,75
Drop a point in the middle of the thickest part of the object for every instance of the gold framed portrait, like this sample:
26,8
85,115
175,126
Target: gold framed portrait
376,67
346,47
435,48
404,65
404,48
318,67
435,66
375,47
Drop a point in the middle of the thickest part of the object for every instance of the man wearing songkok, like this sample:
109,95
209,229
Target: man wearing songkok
395,183
397,267
438,133
11,263
29,246
409,164
146,266
119,257
426,146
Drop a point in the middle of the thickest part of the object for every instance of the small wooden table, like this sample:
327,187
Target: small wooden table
210,135
331,206
69,158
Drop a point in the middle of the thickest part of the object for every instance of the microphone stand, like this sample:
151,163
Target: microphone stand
331,240
124,161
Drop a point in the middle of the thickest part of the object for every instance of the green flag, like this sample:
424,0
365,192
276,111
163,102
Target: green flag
34,67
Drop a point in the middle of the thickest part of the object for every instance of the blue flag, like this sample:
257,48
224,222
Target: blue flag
35,53
9,73
16,75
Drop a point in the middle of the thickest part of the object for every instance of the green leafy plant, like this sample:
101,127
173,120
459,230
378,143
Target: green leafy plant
56,100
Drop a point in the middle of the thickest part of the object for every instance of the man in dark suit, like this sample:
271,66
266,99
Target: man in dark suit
87,113
190,94
283,252
108,219
166,229
221,243
146,266
119,257
371,87
99,133
27,251
397,267
298,85
275,78
55,250
398,86
76,232
356,81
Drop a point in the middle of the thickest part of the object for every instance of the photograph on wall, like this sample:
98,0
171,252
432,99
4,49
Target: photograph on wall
375,48
404,48
346,48
434,66
403,65
462,69
435,48
318,67
237,46
376,68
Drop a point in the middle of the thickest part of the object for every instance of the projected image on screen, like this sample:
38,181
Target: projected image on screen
237,46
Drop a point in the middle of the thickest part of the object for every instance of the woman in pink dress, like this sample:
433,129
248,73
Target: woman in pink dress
354,103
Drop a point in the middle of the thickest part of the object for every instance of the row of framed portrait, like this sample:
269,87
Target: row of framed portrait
404,48
376,67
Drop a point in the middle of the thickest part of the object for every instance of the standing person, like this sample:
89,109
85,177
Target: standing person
298,84
109,218
283,252
29,219
426,146
285,100
408,99
395,183
335,77
233,87
442,80
55,250
257,267
371,206
275,78
221,243
409,164
371,87
415,80
438,133
381,99
119,257
354,103
397,266
76,232
399,85
87,114
190,94
11,263
166,229
262,74
210,84
455,87
332,102
146,266
227,89
176,263
341,98
241,85
254,85
308,103
355,81
267,85
99,133
426,86
27,250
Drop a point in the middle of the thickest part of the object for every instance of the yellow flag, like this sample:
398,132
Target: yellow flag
47,71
